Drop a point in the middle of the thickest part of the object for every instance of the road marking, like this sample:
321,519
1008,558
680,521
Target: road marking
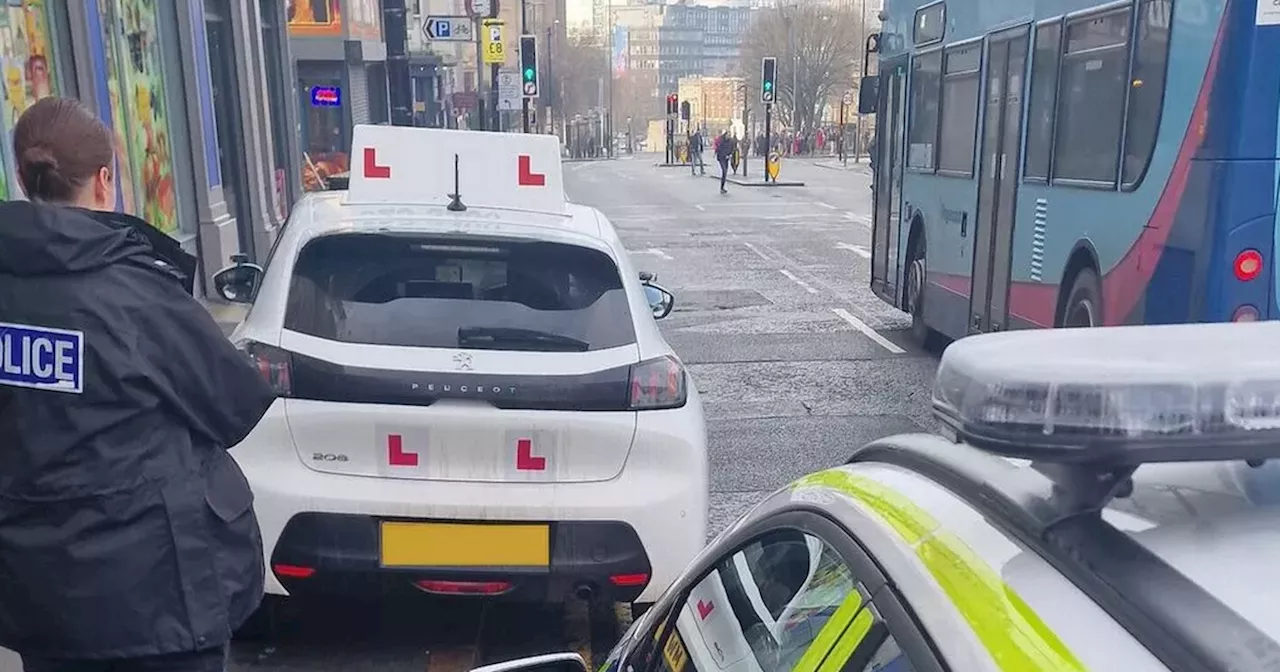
868,331
792,276
755,249
856,249
700,207
658,253
861,219
827,206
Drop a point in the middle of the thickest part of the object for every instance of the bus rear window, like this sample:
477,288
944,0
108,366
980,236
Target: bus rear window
445,293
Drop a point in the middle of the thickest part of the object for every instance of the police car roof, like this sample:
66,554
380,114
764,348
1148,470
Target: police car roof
1172,432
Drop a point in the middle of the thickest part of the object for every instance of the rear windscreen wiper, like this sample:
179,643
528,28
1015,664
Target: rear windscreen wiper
500,336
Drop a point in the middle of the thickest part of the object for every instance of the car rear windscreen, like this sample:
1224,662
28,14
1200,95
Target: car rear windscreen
386,289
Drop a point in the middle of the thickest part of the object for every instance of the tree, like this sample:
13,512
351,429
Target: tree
819,51
578,68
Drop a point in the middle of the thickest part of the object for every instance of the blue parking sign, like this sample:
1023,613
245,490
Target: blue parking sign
41,358
444,29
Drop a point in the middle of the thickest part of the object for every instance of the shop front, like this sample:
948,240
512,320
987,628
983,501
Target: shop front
35,59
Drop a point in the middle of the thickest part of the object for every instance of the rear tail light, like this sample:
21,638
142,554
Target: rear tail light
274,364
1245,313
656,384
629,580
464,587
1248,265
293,571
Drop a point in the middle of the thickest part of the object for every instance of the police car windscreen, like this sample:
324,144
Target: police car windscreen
387,289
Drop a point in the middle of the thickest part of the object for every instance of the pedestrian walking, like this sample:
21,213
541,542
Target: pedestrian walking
726,145
696,147
127,535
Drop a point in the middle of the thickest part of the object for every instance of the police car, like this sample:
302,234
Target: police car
475,397
1110,501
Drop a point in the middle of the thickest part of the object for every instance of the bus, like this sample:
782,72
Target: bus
1075,163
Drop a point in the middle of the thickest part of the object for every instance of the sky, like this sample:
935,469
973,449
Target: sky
579,11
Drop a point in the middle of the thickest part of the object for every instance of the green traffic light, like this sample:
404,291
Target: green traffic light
528,73
768,85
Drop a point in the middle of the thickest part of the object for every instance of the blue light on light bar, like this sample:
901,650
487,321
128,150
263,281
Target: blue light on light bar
326,96
1122,395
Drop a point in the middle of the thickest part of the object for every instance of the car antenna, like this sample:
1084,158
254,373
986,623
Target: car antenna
456,204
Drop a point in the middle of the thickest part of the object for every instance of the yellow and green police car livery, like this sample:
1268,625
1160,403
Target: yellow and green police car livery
1100,499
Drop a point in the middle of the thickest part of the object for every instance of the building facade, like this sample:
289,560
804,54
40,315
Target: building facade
340,61
188,143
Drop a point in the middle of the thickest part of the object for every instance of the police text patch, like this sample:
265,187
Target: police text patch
41,358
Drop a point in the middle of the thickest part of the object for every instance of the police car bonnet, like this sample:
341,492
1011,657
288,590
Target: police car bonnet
426,166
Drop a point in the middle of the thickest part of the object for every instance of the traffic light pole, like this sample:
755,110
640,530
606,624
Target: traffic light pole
524,100
768,137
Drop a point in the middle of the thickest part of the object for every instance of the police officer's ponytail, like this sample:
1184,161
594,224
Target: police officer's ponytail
60,146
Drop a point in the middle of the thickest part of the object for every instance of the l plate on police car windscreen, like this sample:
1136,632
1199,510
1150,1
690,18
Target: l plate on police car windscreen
1120,395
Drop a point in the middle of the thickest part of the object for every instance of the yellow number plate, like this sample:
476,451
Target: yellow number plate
461,545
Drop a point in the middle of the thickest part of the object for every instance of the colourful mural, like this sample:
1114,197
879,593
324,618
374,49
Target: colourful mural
27,63
139,113
315,18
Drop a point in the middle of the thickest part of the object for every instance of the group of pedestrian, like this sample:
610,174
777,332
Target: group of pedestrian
726,150
128,541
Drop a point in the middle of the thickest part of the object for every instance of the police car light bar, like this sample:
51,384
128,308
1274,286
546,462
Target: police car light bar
1116,397
421,166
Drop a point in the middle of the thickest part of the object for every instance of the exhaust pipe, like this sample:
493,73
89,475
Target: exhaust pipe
584,592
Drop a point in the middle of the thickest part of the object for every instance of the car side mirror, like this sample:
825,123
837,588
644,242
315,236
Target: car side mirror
661,302
553,662
238,283
869,95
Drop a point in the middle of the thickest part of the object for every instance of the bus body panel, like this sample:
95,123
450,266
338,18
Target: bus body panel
1165,249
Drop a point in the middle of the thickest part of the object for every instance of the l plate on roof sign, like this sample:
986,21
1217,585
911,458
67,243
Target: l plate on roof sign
415,166
508,90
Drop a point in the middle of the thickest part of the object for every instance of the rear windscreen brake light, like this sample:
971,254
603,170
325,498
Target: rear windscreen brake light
658,383
274,364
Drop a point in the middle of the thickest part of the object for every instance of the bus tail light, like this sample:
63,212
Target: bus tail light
1248,265
1245,313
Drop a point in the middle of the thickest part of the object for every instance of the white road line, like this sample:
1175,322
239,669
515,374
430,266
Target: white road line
856,249
861,219
699,206
657,253
827,206
755,249
792,276
868,331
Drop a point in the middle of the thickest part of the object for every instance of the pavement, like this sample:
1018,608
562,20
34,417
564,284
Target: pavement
797,362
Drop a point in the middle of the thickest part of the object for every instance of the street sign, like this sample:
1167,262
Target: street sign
448,28
495,52
480,7
508,90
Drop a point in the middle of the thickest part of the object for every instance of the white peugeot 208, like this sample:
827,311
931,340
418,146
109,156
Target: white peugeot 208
475,397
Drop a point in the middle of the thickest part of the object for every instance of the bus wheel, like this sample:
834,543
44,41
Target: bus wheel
1084,302
920,332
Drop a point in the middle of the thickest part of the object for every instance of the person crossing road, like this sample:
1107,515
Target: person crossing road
726,146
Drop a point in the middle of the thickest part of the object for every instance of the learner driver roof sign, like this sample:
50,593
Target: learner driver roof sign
403,165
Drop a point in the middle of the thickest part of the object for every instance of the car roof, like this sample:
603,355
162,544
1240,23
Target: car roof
326,213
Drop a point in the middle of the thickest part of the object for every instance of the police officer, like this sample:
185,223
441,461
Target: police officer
127,535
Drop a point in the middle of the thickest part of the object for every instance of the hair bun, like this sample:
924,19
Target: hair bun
37,160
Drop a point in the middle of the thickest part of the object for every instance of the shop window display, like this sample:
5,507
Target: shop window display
26,59
324,145
140,116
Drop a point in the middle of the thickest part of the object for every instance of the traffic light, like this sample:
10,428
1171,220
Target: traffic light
673,104
768,79
684,110
529,65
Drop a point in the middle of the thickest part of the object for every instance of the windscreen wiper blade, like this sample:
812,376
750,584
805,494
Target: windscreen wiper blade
498,336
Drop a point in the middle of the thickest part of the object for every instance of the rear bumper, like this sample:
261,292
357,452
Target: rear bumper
339,555
660,497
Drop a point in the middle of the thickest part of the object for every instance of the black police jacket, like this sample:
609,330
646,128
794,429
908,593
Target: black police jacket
125,527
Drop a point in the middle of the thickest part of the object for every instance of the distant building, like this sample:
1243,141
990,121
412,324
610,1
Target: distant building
715,103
